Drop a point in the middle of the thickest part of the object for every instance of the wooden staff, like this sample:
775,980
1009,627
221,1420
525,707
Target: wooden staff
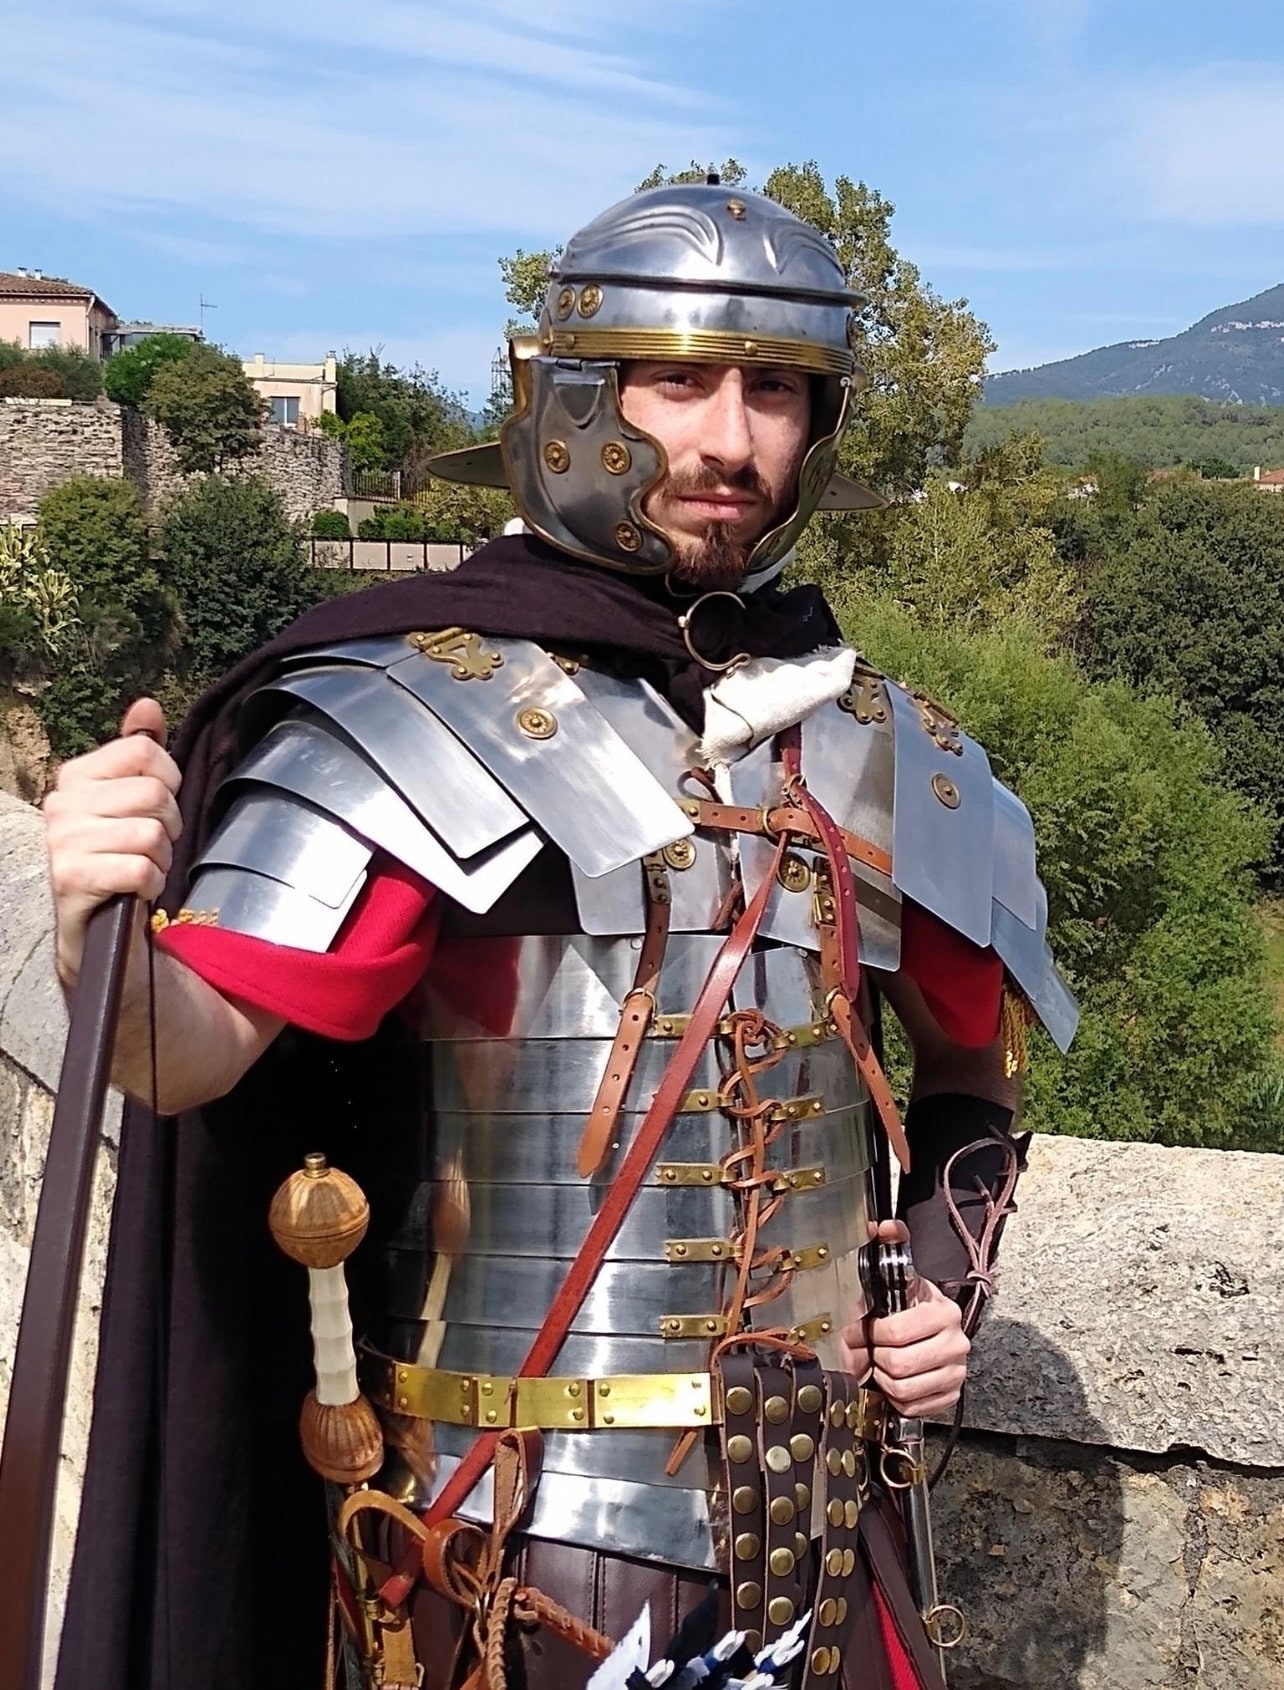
38,1391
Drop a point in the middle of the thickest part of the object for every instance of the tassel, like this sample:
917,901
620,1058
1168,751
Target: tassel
1014,1018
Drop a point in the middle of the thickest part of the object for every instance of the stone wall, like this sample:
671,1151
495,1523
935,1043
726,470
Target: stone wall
43,442
1114,1516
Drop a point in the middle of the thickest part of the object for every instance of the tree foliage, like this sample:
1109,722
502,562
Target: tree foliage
50,372
238,567
1189,600
128,376
1157,432
415,415
209,408
1147,860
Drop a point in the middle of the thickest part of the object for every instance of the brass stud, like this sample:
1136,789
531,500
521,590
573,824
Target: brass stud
737,209
820,1662
739,1448
842,1610
834,1512
591,300
834,1461
492,1415
851,1515
849,1463
835,1660
557,456
681,854
801,1447
739,1399
403,1402
946,791
810,1398
711,1327
616,457
565,303
780,1610
776,1409
608,1420
794,875
573,1389
744,1499
837,1411
781,1561
747,1546
488,1388
802,1496
748,1595
834,1563
827,1613
778,1460
853,1416
849,1563
570,340
669,1175
627,537
802,1545
402,1375
781,1511
751,349
537,724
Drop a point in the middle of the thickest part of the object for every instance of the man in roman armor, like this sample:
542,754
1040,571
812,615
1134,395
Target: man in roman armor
553,900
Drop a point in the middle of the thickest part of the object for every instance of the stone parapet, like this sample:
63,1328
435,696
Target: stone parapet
1114,1516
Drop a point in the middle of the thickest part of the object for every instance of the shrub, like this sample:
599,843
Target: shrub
208,407
371,527
129,375
30,381
80,373
238,567
330,525
403,522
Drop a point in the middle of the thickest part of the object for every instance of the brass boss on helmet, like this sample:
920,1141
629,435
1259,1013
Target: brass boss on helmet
703,274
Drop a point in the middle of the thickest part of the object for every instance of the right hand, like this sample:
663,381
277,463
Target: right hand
111,822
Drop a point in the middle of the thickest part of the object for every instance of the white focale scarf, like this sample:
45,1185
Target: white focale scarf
767,694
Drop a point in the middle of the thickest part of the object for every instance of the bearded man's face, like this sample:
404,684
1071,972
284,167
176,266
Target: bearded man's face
735,436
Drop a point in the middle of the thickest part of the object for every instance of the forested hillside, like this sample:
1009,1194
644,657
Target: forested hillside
1159,433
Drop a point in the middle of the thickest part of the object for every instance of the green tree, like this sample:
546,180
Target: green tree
80,373
128,376
1147,858
30,381
1190,602
456,512
1214,469
94,532
208,407
415,413
238,567
39,614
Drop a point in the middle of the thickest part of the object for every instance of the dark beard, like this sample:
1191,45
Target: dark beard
715,562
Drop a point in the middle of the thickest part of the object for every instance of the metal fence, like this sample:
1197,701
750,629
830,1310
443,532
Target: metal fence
376,484
388,557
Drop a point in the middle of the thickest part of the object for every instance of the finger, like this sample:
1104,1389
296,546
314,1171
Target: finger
935,1393
75,849
118,760
888,1232
855,1355
138,876
144,716
945,1350
915,1324
137,795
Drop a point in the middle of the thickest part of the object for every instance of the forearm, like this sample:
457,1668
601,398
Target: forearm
203,1041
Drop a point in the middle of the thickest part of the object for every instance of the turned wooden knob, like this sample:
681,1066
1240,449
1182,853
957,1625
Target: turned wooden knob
343,1443
319,1216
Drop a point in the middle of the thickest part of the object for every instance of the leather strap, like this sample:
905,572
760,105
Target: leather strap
842,1471
616,1202
780,1559
636,1014
744,1489
784,818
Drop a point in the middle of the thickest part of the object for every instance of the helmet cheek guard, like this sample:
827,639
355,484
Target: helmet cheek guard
688,274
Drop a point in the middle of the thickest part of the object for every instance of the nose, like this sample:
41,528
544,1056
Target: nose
725,440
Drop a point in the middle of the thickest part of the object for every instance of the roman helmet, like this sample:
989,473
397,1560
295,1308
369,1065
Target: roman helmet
699,273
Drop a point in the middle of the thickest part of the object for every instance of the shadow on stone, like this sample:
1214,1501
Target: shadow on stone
1030,1534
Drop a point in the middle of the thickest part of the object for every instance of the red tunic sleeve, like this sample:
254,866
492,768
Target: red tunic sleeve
961,984
380,953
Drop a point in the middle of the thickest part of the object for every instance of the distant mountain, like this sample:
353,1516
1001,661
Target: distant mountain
1235,355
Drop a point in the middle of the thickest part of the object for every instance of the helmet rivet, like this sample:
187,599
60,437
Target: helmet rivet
568,341
591,300
736,208
627,537
946,791
751,348
557,457
565,303
616,457
537,724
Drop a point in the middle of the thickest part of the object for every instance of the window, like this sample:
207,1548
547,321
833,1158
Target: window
286,412
43,334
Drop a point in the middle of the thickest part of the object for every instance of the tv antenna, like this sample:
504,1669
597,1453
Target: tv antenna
206,305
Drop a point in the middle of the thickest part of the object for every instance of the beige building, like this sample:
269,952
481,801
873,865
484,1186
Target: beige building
38,311
296,394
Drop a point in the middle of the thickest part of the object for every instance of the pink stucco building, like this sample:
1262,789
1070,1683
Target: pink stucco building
38,311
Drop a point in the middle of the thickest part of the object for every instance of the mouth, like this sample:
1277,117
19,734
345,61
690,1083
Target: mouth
709,507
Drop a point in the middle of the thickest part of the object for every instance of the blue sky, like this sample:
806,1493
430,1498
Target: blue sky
333,174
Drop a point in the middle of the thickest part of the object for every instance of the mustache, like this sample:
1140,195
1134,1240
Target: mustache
690,483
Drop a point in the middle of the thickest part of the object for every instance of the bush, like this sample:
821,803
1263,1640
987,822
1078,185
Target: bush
94,531
129,375
370,527
330,525
80,374
403,522
1146,857
238,567
208,407
30,381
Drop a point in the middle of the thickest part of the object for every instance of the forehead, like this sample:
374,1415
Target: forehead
640,370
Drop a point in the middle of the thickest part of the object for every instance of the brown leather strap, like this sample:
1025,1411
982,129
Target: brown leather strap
636,1014
887,1567
744,1484
842,1471
783,818
617,1201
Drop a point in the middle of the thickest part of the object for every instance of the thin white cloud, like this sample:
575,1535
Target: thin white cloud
388,119
1203,149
